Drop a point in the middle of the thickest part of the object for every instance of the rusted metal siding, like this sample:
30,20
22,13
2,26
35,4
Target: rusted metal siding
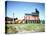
31,17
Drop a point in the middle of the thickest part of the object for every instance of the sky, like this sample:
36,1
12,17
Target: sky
20,8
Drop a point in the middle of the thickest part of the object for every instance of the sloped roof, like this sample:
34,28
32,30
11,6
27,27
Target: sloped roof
32,14
36,13
9,19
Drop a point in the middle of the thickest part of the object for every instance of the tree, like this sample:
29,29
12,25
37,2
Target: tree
43,21
15,19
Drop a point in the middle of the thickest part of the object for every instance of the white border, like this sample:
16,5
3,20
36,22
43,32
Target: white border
2,17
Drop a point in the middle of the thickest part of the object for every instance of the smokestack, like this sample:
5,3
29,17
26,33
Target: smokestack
13,17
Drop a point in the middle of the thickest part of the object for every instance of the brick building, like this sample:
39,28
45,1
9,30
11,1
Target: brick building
33,17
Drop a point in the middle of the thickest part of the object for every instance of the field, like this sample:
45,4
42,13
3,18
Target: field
20,28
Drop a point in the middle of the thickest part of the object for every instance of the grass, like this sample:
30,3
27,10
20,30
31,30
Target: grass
27,27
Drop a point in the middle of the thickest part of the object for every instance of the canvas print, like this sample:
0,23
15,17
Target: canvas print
24,17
